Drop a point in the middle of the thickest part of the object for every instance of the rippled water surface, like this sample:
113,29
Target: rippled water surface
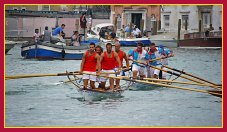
48,102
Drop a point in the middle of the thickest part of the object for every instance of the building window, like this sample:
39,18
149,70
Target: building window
15,8
166,21
23,8
184,19
206,20
45,7
118,22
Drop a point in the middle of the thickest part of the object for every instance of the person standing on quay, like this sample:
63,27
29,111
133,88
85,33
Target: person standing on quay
83,24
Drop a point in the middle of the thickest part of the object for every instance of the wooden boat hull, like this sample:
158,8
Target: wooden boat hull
8,46
47,50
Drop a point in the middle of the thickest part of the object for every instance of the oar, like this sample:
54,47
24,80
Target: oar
190,75
117,72
159,84
189,83
170,72
219,93
101,75
40,75
160,58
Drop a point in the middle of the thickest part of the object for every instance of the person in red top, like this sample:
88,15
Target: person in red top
122,55
108,60
90,61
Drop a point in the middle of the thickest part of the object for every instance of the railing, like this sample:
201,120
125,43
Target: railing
212,34
74,14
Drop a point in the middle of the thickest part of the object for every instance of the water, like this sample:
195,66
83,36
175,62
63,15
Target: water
47,102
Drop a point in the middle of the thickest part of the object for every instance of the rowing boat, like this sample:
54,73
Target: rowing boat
97,93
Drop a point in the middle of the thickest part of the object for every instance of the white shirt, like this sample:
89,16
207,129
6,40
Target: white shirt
136,32
36,35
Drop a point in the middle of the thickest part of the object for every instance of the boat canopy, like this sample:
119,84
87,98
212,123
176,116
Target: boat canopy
107,27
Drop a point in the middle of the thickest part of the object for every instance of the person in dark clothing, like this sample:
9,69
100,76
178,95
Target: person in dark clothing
207,33
46,36
83,24
63,34
113,35
102,33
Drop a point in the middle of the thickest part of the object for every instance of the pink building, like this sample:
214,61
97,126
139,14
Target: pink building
145,17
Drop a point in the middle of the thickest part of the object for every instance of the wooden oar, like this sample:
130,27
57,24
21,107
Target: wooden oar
191,75
117,72
170,72
160,58
219,93
189,83
159,84
40,75
102,75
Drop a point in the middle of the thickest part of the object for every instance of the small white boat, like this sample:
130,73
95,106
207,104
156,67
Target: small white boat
108,27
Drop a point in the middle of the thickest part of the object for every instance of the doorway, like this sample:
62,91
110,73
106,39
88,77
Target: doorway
136,18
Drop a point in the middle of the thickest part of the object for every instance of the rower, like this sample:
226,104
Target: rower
139,55
90,61
122,55
165,53
98,49
108,59
153,54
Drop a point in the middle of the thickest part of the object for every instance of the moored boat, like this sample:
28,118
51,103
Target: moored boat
108,27
10,44
47,50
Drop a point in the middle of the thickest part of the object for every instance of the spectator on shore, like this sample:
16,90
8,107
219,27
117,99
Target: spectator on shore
83,25
89,23
207,33
58,31
127,31
75,38
35,37
46,35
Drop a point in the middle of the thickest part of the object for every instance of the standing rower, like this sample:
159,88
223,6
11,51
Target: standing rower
90,61
108,60
122,55
138,55
165,53
151,55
